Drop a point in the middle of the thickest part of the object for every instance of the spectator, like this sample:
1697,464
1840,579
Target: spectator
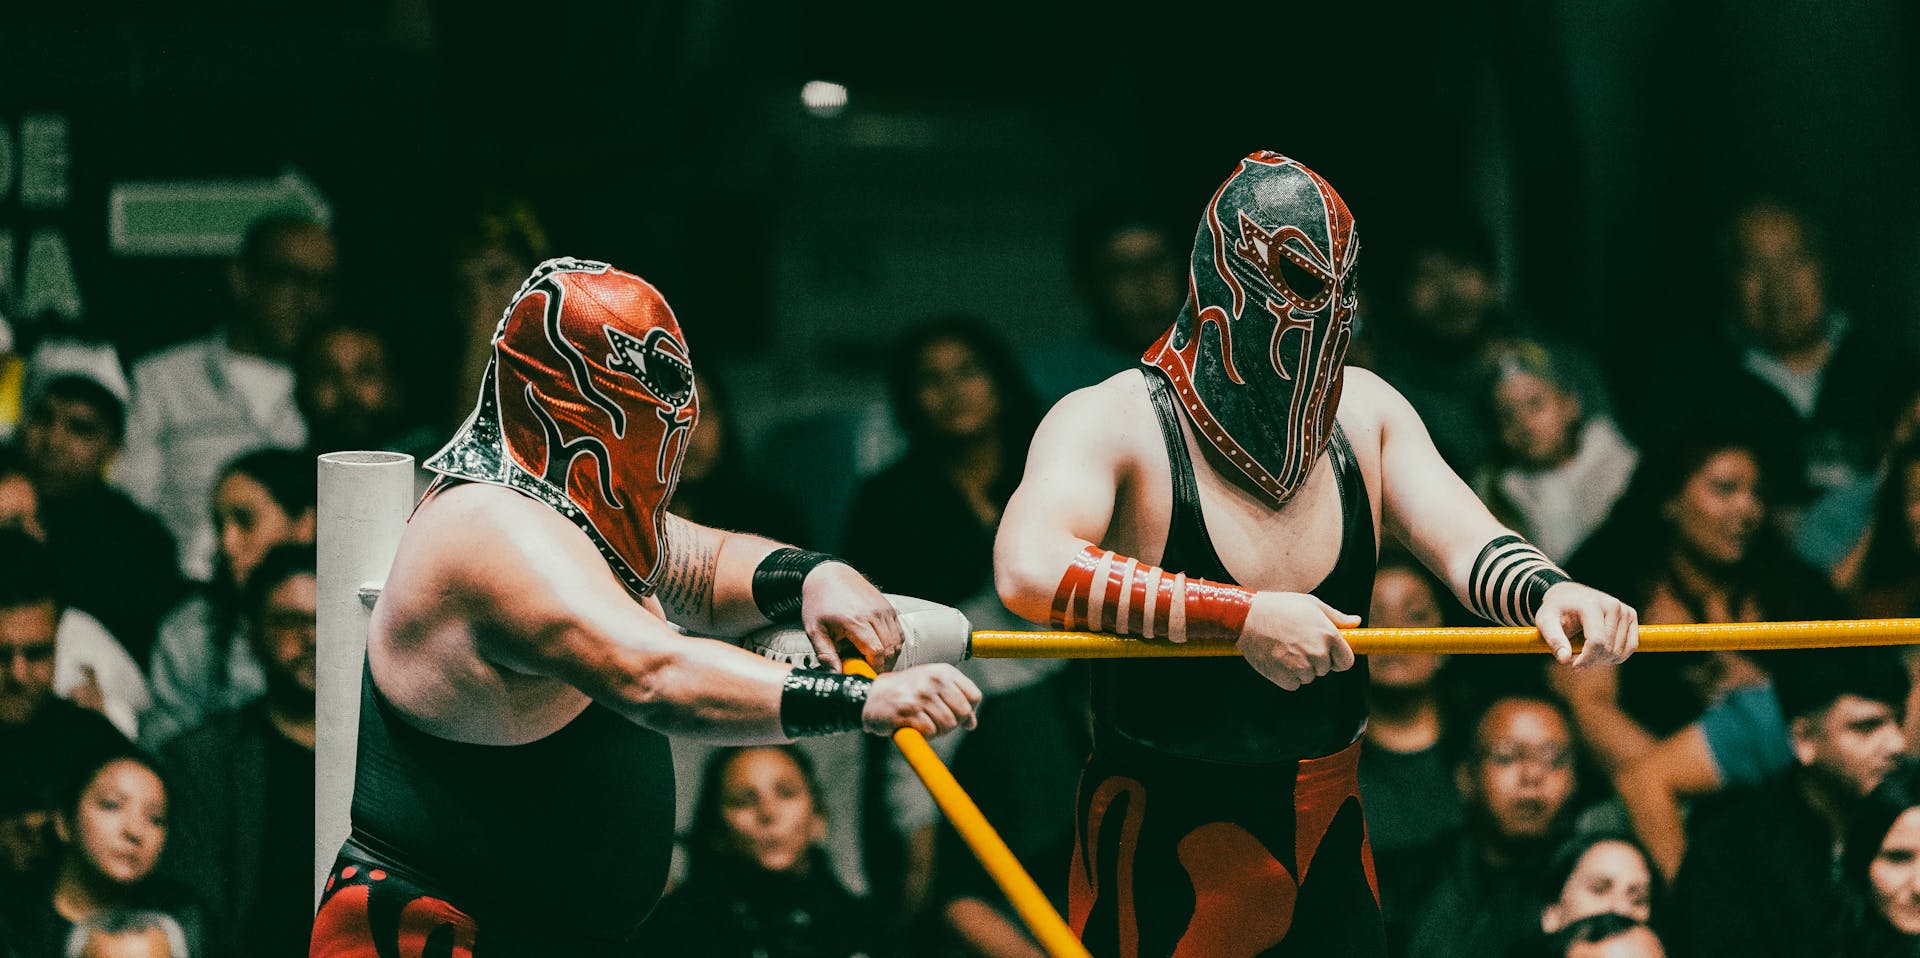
1605,935
1557,469
1128,269
45,742
1885,581
111,558
968,417
1791,361
1690,541
202,665
128,934
759,882
717,488
345,387
1880,871
1518,783
1777,842
498,243
244,837
93,668
1598,874
1408,789
1406,782
1449,316
112,829
199,404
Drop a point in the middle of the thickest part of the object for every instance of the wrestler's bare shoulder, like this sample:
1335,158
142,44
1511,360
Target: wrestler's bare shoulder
470,567
1369,405
1115,414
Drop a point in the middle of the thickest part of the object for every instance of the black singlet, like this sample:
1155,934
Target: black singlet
556,847
1220,708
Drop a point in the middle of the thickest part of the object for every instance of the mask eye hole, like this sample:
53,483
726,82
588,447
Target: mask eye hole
1308,289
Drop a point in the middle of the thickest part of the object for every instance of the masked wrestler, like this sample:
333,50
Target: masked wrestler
1231,488
514,794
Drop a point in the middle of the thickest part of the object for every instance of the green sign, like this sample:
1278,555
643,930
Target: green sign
203,217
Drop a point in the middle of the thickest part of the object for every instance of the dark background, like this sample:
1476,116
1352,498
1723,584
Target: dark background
1600,141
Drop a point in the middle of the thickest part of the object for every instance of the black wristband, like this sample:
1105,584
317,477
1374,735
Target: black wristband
1539,583
819,702
777,579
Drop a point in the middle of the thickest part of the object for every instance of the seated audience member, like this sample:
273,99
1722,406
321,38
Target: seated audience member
968,418
1598,874
345,387
1128,270
759,883
497,241
201,403
1880,871
1405,780
92,668
46,742
1556,469
1604,935
1448,318
717,488
1518,781
243,837
1776,843
1691,541
203,664
128,934
1884,580
112,829
111,558
1818,383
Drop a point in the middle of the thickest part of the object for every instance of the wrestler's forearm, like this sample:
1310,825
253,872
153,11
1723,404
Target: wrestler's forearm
707,578
1097,590
697,689
1502,578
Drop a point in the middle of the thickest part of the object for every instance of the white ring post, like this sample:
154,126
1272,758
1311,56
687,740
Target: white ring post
364,502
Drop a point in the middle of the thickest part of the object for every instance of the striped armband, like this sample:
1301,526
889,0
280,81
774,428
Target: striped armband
1509,581
1103,592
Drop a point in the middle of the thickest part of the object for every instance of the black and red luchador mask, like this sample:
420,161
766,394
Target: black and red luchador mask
586,406
1272,274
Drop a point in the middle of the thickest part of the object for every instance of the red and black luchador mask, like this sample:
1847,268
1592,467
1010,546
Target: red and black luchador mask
1272,274
586,406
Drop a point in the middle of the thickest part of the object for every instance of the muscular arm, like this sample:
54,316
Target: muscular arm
552,608
707,584
1423,502
539,600
706,579
1048,568
1489,569
1064,503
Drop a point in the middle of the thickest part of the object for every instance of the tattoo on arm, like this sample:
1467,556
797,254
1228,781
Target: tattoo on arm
687,572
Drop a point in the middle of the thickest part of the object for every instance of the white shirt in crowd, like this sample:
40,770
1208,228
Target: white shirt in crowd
196,407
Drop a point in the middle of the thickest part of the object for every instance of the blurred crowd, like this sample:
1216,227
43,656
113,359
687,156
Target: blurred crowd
1763,464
